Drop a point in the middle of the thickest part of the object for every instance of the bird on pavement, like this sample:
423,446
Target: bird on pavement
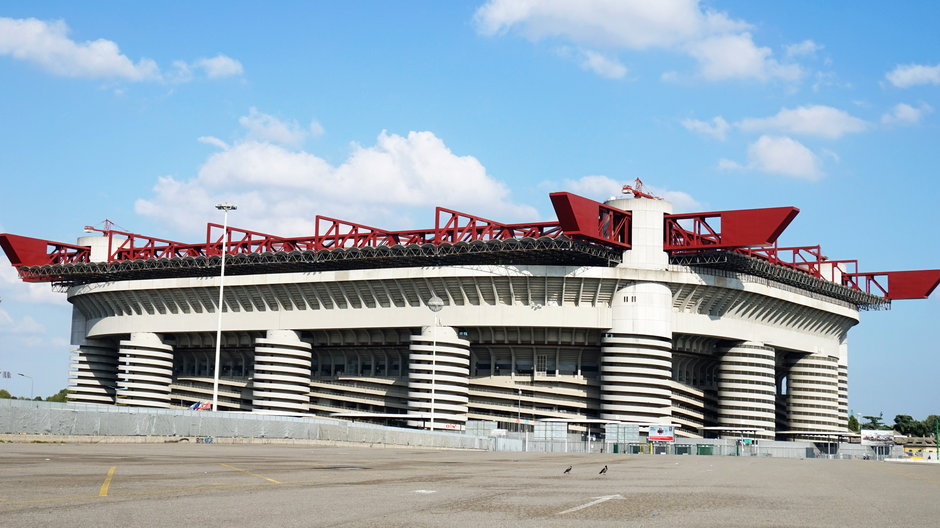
568,470
603,471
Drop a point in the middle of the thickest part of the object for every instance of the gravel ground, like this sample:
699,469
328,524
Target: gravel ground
161,485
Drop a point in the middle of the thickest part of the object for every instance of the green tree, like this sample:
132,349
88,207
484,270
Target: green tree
61,396
904,424
853,424
874,422
930,424
4,395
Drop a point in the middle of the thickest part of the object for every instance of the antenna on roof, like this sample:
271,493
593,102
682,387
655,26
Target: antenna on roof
106,226
638,191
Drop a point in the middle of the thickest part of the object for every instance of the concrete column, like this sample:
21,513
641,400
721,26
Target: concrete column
145,371
646,236
844,384
814,394
282,373
747,388
636,356
440,359
93,373
99,245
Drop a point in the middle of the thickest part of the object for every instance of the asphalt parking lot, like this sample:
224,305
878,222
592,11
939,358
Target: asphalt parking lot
198,485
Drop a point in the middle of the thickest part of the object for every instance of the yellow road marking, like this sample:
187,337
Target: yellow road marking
133,493
103,492
250,473
319,481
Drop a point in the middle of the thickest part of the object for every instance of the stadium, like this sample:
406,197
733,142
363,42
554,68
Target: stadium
617,312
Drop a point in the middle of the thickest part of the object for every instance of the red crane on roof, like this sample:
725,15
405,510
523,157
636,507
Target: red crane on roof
638,191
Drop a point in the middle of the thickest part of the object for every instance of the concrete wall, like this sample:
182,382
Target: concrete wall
77,419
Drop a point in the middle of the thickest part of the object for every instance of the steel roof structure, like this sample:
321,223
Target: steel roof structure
586,233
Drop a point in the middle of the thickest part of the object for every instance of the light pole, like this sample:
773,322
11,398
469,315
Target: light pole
936,436
30,384
225,207
519,413
435,304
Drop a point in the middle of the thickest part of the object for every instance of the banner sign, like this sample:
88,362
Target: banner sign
661,433
872,437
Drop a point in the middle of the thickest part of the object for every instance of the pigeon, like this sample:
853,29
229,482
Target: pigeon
603,471
568,470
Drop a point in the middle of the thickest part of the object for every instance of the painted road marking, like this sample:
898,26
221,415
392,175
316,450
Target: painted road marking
134,493
103,492
250,473
597,500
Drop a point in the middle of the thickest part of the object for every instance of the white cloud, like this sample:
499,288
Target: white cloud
907,75
785,156
800,49
778,155
394,184
681,201
737,57
831,154
214,141
180,73
13,289
721,44
595,187
220,66
603,66
264,127
817,120
48,45
905,114
629,24
601,188
316,129
718,129
23,325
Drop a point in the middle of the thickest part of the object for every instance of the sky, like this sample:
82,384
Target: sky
148,114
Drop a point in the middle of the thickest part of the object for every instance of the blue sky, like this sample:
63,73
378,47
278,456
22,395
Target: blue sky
148,114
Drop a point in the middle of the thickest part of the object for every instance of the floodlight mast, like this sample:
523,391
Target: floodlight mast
435,304
225,207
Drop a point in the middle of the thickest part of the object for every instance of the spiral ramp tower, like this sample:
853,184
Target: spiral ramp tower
814,394
844,383
282,373
747,389
93,374
439,370
145,371
636,356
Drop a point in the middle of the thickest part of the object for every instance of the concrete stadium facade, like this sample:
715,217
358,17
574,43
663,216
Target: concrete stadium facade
642,341
618,312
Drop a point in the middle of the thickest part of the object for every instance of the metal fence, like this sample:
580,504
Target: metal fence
90,420
703,447
77,419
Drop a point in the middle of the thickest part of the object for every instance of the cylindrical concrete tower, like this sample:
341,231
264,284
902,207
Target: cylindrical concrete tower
747,388
145,371
814,394
636,353
636,356
282,373
93,373
440,360
844,384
